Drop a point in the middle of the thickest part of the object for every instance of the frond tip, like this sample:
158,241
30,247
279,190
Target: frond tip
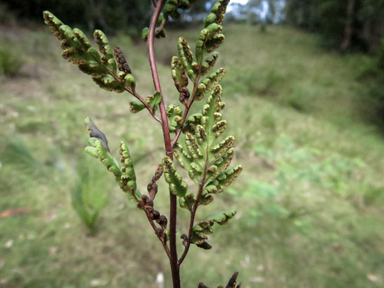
202,229
78,50
217,13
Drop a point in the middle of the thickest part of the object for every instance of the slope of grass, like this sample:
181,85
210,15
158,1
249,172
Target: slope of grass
310,198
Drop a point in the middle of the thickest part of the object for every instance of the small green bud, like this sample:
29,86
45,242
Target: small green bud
136,107
144,34
130,81
155,100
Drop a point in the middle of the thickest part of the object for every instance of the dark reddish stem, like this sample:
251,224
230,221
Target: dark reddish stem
156,81
191,222
168,146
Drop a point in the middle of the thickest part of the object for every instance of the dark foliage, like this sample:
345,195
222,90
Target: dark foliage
108,15
331,19
371,103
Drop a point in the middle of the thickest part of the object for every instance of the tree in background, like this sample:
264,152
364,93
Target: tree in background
268,11
348,27
371,14
343,24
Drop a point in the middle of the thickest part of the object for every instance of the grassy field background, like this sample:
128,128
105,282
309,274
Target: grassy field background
310,199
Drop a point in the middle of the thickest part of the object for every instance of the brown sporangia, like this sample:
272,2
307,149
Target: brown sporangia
152,190
146,201
205,200
187,50
160,33
185,239
212,168
235,171
232,282
99,41
162,221
73,51
183,90
147,205
184,96
219,128
202,135
223,146
104,47
152,186
155,214
121,61
158,173
180,80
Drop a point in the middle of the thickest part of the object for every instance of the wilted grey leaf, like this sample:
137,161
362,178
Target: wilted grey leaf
96,133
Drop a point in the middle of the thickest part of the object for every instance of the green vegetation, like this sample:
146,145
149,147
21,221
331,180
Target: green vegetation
10,60
91,193
372,75
310,199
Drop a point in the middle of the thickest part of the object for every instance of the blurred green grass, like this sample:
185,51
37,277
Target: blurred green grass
310,198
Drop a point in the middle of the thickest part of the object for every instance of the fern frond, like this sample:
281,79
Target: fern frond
78,50
204,228
206,162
